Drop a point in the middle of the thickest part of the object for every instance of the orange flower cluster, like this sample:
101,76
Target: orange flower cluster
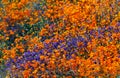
60,38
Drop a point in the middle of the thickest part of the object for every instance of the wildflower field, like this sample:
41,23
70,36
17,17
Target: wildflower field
59,38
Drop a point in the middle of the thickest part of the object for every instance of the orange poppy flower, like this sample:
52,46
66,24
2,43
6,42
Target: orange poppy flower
35,71
11,32
42,57
69,77
35,64
22,50
26,73
47,41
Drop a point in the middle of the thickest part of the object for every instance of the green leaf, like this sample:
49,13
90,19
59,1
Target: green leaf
1,54
118,76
